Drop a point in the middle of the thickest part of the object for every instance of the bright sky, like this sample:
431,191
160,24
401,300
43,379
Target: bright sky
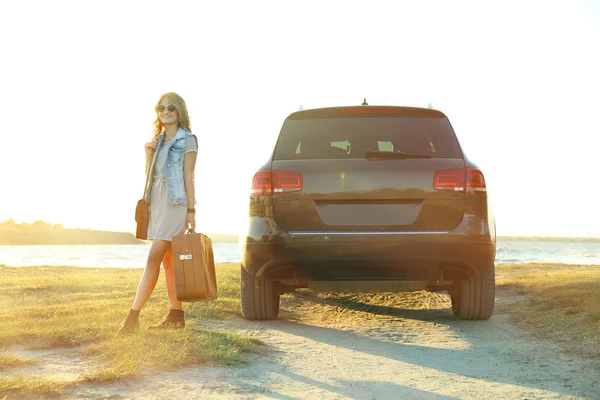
519,81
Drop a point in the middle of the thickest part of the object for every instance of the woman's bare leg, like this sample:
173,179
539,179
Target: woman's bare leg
170,279
151,272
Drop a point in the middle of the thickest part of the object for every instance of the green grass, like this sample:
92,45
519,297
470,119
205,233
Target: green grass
48,307
28,386
8,361
561,303
69,306
163,350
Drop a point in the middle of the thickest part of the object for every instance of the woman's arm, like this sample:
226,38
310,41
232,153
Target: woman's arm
189,163
150,148
149,156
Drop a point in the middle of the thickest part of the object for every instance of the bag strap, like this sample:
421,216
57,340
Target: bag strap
146,184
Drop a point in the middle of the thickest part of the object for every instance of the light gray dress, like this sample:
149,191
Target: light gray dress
165,220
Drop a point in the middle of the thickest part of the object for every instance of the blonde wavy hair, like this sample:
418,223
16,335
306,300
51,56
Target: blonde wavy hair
182,111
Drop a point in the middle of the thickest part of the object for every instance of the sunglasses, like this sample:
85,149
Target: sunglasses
161,108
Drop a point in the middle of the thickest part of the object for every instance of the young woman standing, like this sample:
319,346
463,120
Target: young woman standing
170,163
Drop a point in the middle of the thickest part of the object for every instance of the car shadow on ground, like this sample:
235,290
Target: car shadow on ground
479,366
379,389
492,352
395,307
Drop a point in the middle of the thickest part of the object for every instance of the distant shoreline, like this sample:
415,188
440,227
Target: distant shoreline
127,239
41,233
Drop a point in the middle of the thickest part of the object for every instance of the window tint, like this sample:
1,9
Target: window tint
352,137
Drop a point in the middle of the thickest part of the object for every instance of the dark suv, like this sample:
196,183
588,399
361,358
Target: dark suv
369,199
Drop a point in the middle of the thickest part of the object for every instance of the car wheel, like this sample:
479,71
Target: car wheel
260,297
474,299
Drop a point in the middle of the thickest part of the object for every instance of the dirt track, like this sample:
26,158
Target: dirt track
377,347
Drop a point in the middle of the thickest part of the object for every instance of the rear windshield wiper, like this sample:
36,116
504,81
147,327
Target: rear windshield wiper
375,154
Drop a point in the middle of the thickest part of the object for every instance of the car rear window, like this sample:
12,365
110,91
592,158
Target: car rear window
339,138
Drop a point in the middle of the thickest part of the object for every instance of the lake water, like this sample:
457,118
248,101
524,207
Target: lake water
134,256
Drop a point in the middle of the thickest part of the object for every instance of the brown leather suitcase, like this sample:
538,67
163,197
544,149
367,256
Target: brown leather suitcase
194,263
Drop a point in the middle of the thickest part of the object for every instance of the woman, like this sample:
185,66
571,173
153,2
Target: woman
170,162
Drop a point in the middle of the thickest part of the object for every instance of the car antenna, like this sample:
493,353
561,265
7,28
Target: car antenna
364,102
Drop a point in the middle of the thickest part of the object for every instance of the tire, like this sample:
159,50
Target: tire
260,297
474,299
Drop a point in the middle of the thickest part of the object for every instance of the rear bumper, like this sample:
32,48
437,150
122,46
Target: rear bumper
367,256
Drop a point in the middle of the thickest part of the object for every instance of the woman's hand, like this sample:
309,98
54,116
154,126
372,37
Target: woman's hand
190,221
151,146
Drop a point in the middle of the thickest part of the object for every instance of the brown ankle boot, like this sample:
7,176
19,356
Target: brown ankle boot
174,319
131,323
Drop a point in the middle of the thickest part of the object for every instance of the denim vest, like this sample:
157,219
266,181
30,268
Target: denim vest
175,156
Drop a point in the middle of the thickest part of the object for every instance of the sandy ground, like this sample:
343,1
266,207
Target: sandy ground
380,346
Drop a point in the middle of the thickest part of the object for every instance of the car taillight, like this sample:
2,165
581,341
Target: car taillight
275,182
469,180
261,183
475,181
